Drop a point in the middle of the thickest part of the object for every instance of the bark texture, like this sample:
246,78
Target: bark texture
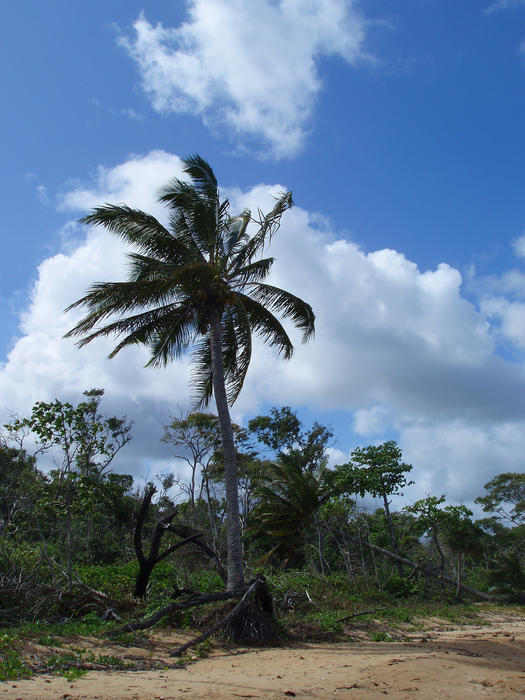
233,525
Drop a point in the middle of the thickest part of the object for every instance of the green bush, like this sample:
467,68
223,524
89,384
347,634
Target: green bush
399,587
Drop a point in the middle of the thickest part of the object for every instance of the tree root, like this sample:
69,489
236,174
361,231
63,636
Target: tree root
248,622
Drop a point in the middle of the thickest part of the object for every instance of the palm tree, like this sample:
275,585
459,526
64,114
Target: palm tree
197,284
290,496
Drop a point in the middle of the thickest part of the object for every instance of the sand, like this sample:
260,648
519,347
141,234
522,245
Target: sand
466,662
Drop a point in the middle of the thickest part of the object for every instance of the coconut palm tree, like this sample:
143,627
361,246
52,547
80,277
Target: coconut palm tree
197,284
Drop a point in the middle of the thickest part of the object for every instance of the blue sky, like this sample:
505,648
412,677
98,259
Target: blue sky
400,129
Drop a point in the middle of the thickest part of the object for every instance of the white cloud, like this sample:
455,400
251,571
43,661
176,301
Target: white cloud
372,421
503,5
511,318
457,458
399,349
247,68
519,246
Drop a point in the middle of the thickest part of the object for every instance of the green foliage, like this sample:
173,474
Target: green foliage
507,576
279,430
328,620
12,666
380,636
290,496
78,506
87,440
282,431
399,587
205,581
376,469
505,497
115,580
50,641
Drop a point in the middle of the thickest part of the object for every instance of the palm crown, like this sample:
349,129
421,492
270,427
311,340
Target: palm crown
205,266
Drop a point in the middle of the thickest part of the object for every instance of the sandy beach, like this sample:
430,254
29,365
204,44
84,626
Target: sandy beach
466,661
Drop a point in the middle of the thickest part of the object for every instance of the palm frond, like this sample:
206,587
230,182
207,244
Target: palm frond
237,348
195,215
267,326
236,232
290,306
140,229
202,375
109,298
202,176
143,328
173,336
253,272
267,226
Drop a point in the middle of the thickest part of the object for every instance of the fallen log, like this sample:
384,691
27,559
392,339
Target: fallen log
174,607
424,569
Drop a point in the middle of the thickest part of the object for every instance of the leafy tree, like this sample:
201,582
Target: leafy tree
507,577
462,536
282,430
429,518
379,471
199,283
83,444
87,442
448,525
279,430
505,497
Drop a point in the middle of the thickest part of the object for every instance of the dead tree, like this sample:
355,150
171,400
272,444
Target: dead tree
148,563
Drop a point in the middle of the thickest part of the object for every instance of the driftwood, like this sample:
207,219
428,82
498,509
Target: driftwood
427,570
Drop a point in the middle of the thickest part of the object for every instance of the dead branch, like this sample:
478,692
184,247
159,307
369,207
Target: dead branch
357,614
174,607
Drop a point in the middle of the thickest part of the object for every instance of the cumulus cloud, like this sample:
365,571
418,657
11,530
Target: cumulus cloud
398,350
247,69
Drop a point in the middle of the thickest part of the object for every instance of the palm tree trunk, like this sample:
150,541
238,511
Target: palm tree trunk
233,525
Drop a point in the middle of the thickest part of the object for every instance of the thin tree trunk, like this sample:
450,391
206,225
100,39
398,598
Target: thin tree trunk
441,556
233,525
460,573
393,536
320,543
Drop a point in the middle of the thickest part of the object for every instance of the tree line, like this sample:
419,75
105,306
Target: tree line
296,512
